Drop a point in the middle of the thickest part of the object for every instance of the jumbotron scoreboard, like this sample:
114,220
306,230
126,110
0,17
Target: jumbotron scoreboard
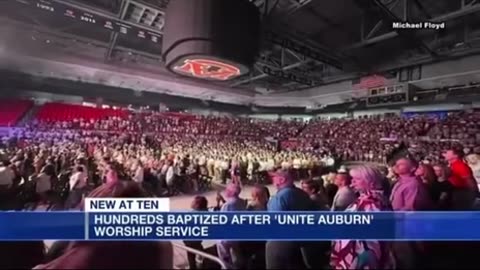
388,95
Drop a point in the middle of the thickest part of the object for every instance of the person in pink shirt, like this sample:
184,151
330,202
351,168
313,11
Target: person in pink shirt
409,194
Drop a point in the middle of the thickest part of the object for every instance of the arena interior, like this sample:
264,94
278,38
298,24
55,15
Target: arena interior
220,104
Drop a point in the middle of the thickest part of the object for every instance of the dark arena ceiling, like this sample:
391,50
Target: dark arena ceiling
305,43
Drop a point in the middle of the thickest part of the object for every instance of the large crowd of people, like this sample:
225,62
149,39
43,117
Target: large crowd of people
414,164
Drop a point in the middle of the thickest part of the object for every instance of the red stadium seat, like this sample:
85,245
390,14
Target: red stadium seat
11,111
54,112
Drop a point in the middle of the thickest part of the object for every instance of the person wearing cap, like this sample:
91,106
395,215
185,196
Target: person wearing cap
290,255
230,252
233,201
288,197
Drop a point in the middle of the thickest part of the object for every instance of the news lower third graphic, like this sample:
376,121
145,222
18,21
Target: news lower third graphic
150,220
188,226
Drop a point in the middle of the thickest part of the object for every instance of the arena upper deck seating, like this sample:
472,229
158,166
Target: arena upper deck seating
68,112
365,139
11,111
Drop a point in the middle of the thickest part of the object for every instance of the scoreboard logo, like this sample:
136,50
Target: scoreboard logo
207,69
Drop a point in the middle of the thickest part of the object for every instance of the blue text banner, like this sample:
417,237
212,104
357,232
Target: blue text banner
306,226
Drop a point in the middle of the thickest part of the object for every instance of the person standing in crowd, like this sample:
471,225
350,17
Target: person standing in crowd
138,172
17,169
260,197
235,171
313,190
114,255
43,183
111,175
291,255
345,194
473,161
38,163
230,252
170,178
463,190
199,204
288,197
211,167
6,176
233,201
224,166
162,177
441,189
297,164
80,162
441,172
330,162
255,251
426,174
354,254
330,187
387,182
408,194
77,184
461,177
